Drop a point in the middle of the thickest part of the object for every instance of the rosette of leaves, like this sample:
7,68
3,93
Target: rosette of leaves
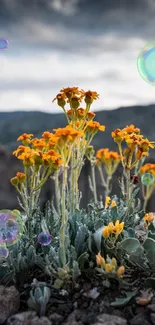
39,297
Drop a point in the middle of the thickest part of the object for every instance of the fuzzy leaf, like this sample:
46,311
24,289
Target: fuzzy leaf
98,238
75,271
149,245
80,239
150,282
130,245
123,301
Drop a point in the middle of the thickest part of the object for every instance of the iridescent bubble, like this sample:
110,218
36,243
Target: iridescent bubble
3,44
11,227
44,238
4,252
146,63
147,179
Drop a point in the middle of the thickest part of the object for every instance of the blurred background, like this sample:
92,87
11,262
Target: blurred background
60,43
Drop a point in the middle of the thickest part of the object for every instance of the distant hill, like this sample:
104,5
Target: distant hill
12,124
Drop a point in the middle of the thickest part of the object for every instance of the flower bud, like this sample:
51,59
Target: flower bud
120,271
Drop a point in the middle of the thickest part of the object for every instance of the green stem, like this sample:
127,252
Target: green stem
94,181
64,220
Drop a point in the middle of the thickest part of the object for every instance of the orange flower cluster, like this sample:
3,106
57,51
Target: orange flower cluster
110,159
135,143
147,168
110,265
80,114
49,150
74,96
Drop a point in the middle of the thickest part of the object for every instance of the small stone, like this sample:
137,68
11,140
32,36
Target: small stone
56,318
106,319
9,302
151,307
152,316
28,318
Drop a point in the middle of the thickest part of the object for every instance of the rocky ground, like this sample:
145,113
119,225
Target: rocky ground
88,302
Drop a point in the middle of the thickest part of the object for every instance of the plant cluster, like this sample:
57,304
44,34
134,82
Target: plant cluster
66,241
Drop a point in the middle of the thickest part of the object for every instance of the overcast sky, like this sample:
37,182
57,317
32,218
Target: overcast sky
92,44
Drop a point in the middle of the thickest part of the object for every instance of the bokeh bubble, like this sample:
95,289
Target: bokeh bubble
44,238
3,44
147,179
146,63
4,252
11,227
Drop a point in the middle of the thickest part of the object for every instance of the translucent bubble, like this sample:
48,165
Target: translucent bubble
44,238
11,227
147,179
3,44
4,252
146,63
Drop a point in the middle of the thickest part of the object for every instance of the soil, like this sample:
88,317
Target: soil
78,305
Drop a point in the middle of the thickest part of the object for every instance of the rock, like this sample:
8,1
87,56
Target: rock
139,319
152,316
28,318
73,318
9,302
106,319
56,318
151,307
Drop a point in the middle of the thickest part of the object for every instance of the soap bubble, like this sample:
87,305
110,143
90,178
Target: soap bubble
147,179
11,227
3,44
146,63
4,252
44,238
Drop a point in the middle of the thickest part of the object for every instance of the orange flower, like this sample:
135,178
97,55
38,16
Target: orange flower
120,271
25,138
20,150
90,96
118,135
71,91
21,177
60,100
131,129
93,127
38,144
90,116
100,260
149,168
149,217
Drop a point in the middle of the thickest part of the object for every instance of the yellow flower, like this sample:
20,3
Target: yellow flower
114,262
120,271
109,268
105,232
100,260
118,227
107,201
